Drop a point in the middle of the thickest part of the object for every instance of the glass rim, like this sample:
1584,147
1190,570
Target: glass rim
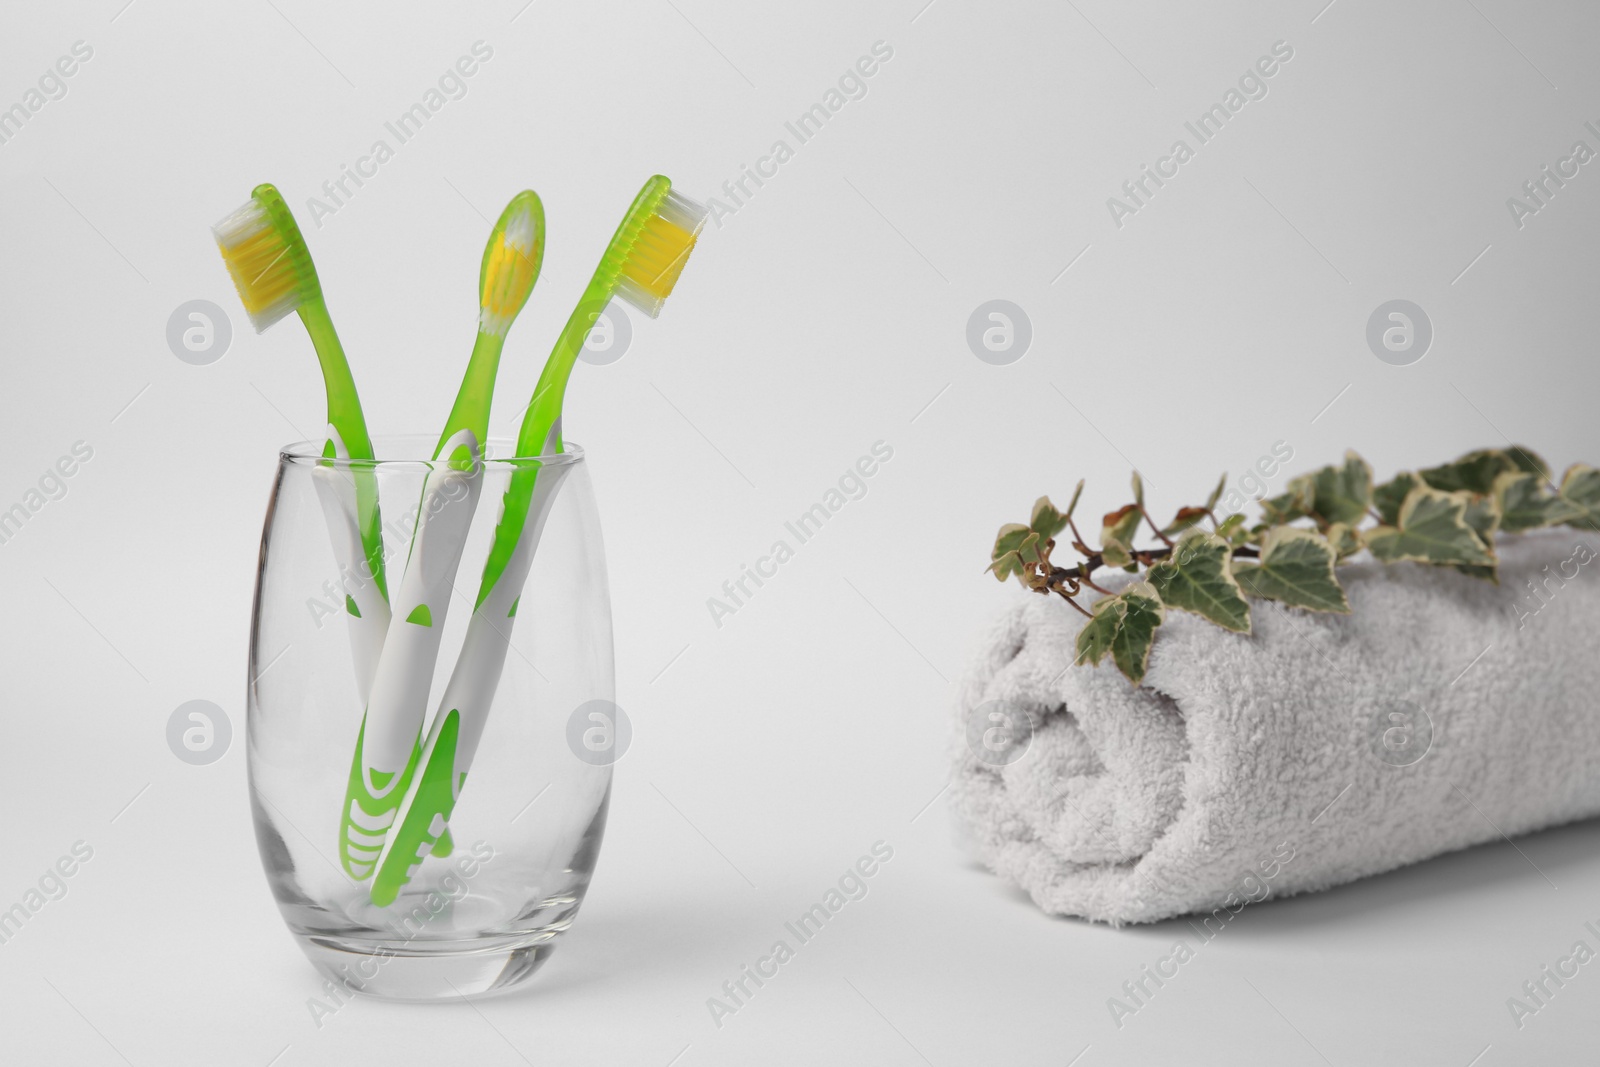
501,453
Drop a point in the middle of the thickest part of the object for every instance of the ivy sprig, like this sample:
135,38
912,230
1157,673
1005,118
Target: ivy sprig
1447,515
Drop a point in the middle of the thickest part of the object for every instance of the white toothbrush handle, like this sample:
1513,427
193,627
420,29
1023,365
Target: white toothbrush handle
476,676
458,725
336,489
419,608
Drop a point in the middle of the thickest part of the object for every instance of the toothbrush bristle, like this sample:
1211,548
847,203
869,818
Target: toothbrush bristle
262,264
510,273
660,252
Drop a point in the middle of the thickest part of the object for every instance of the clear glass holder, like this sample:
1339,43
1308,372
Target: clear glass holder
484,909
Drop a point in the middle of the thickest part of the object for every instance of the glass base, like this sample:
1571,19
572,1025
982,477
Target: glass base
431,970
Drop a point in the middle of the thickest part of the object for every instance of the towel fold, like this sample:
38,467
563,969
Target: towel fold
1443,712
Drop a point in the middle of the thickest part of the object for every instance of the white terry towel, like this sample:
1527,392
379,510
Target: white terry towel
1271,764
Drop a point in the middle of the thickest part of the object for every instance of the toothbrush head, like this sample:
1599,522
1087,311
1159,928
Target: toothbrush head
654,242
511,263
267,257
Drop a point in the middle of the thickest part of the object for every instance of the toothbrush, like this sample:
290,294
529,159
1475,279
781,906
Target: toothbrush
390,739
641,264
271,267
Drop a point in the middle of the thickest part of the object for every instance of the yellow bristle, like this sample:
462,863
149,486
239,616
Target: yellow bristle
509,276
658,256
258,260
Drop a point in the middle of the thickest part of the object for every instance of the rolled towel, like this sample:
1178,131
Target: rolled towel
1443,712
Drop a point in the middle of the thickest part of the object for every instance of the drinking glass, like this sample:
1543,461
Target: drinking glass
484,910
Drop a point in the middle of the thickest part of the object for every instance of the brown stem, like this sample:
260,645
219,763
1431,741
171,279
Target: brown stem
1077,538
1164,538
1079,607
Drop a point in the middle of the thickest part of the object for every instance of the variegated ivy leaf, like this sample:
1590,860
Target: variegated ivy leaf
1046,521
1388,497
1296,568
1007,564
1580,489
1031,549
1185,518
1528,461
1008,539
1116,535
1123,625
1198,577
1138,489
1216,494
1474,472
1342,494
1234,531
1005,560
1430,528
1076,493
1483,515
1525,503
1345,539
1294,503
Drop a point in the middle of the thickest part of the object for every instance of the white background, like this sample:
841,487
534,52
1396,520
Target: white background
826,313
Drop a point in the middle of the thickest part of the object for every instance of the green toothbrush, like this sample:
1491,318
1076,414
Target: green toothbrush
389,743
641,264
271,267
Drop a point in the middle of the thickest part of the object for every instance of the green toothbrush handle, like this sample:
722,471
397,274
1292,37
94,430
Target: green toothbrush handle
344,415
471,409
541,431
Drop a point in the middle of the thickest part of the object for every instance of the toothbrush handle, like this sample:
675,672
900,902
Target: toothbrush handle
452,742
350,426
391,731
366,610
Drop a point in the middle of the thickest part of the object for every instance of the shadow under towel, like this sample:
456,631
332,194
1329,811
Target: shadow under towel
1444,712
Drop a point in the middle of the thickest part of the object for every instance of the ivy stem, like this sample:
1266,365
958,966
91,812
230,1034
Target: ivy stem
1077,538
1077,606
1164,538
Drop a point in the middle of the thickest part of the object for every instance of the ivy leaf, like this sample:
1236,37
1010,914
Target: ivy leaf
1123,625
1007,564
1342,494
1005,560
1294,503
1185,518
1430,528
1029,550
1580,490
1233,531
1345,539
1296,568
1138,489
1528,461
1046,520
1076,493
1198,577
1388,497
1216,494
1483,515
1009,539
1525,503
1474,472
1116,535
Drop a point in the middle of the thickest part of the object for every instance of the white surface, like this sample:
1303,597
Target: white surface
826,314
